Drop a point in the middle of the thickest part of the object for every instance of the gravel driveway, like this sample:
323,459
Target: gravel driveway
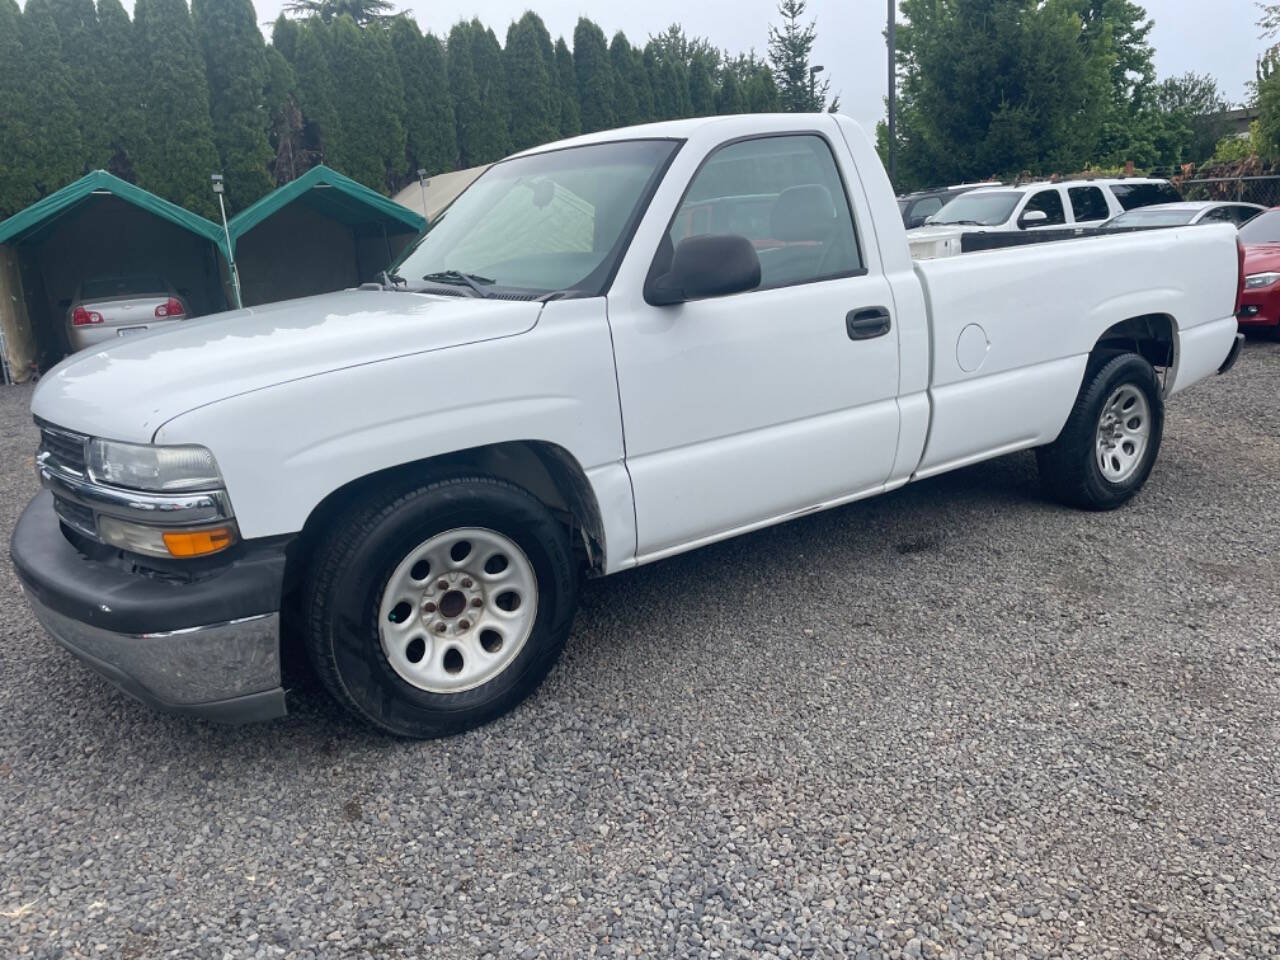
954,721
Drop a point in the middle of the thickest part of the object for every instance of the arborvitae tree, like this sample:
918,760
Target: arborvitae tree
670,85
411,58
284,37
494,118
465,89
81,45
595,76
284,119
54,150
442,140
235,59
789,50
762,93
120,67
567,91
369,97
626,104
702,90
17,184
531,88
322,125
178,153
729,98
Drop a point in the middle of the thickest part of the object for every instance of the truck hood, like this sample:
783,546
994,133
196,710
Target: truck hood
127,390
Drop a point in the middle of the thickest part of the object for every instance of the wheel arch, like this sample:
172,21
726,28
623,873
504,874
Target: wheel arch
547,470
1152,336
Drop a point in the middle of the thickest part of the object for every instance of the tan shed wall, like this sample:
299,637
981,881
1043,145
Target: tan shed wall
19,341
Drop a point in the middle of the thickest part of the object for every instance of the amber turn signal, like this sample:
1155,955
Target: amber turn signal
198,543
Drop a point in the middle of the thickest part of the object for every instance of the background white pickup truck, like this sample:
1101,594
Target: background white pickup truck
607,351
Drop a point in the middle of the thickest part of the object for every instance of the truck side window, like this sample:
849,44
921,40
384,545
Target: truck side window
1088,203
1050,201
782,193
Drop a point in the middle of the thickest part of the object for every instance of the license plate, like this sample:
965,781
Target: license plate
125,331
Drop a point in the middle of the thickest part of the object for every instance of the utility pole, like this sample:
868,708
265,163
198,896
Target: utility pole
219,187
813,86
893,89
422,184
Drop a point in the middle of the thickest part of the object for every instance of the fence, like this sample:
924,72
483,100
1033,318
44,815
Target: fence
1261,190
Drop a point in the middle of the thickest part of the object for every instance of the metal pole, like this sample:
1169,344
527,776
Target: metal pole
893,90
231,257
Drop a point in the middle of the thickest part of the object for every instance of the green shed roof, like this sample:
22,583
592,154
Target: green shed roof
26,224
334,195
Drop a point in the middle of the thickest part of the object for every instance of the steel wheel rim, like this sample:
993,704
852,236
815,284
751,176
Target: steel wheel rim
447,619
1124,433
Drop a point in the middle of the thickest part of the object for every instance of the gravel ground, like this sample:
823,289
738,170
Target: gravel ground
955,721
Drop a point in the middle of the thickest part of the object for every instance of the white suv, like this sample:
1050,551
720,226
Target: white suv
1035,206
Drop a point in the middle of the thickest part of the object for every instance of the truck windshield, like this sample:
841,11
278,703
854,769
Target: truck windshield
1264,228
546,223
981,209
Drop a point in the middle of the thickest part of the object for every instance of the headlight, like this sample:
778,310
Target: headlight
156,469
162,542
1257,281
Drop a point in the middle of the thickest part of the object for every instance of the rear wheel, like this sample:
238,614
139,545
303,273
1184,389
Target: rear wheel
440,607
1110,442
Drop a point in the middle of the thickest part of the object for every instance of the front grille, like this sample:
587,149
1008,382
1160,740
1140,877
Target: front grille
66,447
75,516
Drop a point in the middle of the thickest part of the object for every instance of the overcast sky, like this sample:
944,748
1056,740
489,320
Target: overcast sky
1221,41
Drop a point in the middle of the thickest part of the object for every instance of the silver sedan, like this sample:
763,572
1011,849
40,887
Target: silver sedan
1186,213
110,307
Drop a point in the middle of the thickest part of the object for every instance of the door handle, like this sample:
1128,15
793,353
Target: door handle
868,324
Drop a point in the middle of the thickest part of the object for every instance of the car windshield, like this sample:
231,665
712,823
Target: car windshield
1264,228
1153,217
979,208
544,223
121,287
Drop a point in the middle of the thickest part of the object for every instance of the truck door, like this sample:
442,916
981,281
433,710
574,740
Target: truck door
744,408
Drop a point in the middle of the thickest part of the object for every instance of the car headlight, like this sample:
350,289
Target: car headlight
1257,281
155,469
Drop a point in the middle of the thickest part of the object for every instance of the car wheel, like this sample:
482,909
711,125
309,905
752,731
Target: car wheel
1105,452
437,608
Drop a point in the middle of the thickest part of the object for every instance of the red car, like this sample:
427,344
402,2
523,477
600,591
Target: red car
1260,302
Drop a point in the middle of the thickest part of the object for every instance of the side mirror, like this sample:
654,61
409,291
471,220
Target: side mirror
1033,217
917,222
708,266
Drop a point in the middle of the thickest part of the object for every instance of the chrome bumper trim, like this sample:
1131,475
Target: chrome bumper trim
195,670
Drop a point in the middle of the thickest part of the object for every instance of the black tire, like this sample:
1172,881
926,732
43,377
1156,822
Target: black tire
1069,468
351,567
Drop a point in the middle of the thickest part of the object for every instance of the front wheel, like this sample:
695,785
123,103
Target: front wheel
1110,442
437,608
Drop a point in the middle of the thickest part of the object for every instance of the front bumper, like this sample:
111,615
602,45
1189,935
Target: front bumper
207,647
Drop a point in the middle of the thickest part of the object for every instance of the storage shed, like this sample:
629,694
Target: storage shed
318,233
99,226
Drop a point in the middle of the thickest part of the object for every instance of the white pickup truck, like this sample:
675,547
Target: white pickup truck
607,351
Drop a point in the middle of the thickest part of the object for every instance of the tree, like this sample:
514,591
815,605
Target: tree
465,89
17,182
361,12
411,58
284,120
81,45
322,124
120,69
789,50
1196,100
567,91
494,119
1115,36
702,91
729,98
235,59
595,76
441,150
177,153
996,87
626,102
531,89
369,98
284,37
53,154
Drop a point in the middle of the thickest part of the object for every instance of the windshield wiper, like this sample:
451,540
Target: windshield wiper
391,280
959,223
455,277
